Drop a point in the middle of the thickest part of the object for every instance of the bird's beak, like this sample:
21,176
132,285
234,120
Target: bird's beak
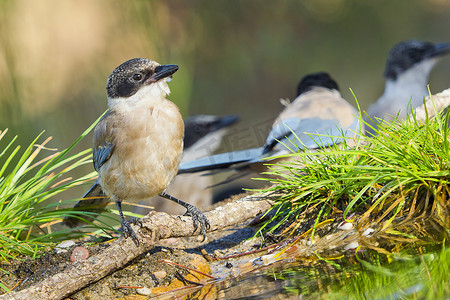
440,49
162,72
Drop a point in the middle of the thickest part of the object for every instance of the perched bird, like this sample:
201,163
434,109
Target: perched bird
139,141
202,136
317,109
407,70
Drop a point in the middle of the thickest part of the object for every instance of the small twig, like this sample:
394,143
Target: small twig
154,279
186,281
246,253
206,255
186,267
16,285
128,287
175,290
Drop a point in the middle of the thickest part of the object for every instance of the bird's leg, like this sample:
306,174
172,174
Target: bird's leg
197,216
126,227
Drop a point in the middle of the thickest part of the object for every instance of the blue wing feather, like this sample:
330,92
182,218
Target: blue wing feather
101,154
289,131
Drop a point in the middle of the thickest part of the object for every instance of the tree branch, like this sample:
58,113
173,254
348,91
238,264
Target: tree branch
121,251
440,101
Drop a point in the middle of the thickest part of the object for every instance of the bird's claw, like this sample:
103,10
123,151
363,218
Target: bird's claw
129,232
136,221
198,218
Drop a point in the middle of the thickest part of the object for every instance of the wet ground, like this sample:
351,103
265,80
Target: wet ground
230,264
175,267
151,270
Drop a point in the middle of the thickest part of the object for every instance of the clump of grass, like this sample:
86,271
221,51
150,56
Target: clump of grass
403,170
28,191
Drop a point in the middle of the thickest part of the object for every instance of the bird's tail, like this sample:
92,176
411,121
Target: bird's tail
94,201
221,161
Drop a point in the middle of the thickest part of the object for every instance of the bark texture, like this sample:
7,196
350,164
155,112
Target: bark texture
155,226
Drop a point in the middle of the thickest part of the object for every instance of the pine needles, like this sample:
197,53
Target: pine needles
29,189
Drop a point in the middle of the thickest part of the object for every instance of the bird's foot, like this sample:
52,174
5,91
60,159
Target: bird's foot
129,232
136,221
199,219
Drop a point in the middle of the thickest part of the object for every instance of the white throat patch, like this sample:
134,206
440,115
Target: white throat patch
148,94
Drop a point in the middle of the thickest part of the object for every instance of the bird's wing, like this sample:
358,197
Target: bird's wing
103,142
298,134
94,200
317,118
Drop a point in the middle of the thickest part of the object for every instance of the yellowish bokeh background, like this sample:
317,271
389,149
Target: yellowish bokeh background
235,57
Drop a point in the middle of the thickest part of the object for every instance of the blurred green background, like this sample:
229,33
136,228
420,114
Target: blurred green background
235,57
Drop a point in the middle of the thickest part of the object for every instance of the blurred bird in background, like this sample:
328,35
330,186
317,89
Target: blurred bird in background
317,109
202,137
407,70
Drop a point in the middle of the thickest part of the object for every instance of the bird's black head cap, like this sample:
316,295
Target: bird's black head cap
130,76
405,55
320,79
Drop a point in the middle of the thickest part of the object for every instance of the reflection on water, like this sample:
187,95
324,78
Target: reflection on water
364,276
415,267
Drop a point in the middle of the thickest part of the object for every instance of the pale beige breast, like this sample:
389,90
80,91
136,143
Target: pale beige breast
148,148
320,103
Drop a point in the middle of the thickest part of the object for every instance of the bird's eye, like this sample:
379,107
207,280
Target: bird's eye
137,77
198,128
